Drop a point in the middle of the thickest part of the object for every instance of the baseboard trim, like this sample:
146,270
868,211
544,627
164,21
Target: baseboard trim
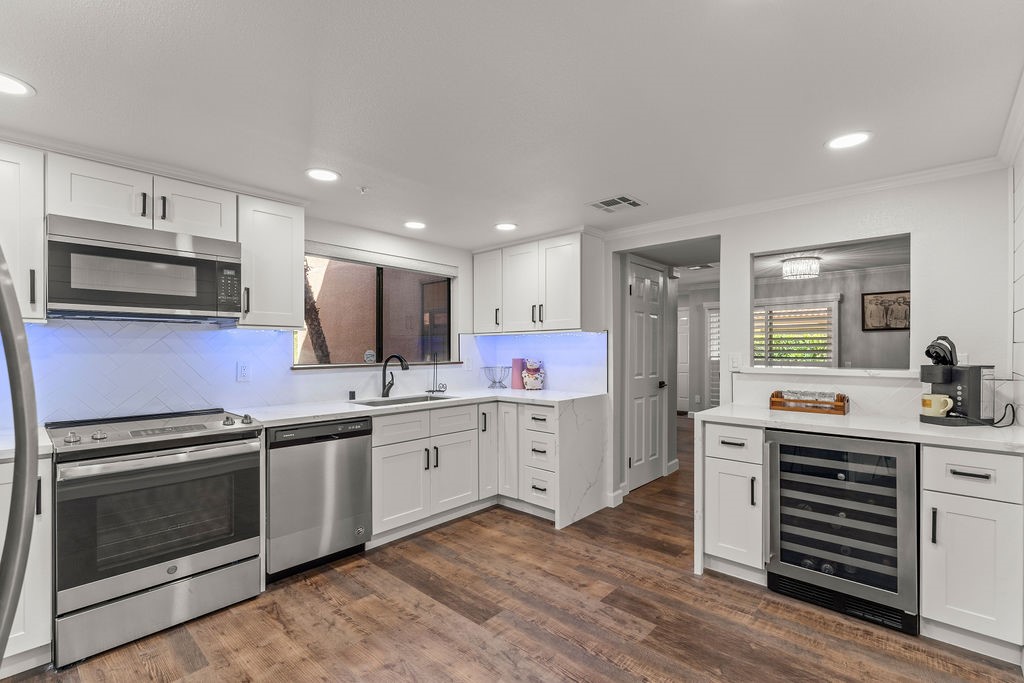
999,649
740,571
671,466
36,658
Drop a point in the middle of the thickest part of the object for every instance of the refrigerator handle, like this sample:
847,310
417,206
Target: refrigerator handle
26,453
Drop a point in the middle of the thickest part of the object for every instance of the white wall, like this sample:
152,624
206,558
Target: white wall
959,263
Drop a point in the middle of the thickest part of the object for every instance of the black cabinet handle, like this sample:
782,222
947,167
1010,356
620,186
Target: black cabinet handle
753,485
496,317
426,465
662,384
484,415
163,207
727,442
145,198
537,450
533,313
972,475
537,488
32,285
538,419
245,309
39,496
935,517
542,312
435,456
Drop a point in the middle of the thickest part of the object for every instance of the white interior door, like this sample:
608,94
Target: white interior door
645,417
683,360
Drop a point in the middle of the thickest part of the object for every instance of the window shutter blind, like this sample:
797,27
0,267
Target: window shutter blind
714,346
796,335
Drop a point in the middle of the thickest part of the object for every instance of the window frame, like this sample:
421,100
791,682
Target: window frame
830,300
380,261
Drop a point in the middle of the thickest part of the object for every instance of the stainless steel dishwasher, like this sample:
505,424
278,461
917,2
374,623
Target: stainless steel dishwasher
318,491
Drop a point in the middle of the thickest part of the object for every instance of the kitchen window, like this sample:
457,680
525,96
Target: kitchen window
796,332
357,312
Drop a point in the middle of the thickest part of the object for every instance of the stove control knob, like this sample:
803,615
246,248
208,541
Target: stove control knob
228,421
99,435
247,419
72,437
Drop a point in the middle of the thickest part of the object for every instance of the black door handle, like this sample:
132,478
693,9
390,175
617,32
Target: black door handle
246,308
496,323
39,496
935,515
662,384
145,198
426,465
163,207
753,484
32,285
435,456
533,313
542,312
484,415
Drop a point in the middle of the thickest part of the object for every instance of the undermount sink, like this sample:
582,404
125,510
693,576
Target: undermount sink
402,399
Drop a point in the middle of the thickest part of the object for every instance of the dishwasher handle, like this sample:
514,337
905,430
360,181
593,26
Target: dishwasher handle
296,435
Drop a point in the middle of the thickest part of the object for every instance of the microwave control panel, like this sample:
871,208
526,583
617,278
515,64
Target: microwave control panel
229,287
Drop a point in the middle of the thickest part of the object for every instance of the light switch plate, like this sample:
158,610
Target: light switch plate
734,361
242,371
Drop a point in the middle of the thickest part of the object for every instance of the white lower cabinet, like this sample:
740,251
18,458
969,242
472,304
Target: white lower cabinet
733,511
454,478
972,573
33,619
488,450
508,450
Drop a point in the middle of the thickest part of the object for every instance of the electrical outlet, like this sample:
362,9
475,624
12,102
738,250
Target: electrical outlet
696,398
734,361
242,371
963,358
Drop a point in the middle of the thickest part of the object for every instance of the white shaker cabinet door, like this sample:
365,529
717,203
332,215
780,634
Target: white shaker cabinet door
559,263
972,573
100,192
401,484
520,294
273,251
22,232
508,449
33,618
487,288
488,450
191,209
733,514
454,478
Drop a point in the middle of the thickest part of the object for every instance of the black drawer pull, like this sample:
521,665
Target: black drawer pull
426,465
39,496
727,442
537,488
537,450
538,419
935,517
753,484
972,475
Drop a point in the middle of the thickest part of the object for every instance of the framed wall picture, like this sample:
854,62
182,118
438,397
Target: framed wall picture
885,311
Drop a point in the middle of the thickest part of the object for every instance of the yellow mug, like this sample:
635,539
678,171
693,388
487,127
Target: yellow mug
936,405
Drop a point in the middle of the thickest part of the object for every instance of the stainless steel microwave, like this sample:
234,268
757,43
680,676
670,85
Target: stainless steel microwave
107,271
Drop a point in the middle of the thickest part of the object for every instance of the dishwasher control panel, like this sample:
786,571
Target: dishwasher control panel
318,431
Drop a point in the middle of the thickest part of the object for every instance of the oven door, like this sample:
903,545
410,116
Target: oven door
129,523
100,278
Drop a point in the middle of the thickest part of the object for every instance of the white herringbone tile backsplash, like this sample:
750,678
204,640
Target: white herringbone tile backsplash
93,369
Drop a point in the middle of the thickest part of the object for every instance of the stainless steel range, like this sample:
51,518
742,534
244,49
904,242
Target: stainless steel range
157,521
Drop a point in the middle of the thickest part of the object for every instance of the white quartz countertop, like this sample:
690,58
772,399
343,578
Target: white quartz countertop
7,445
290,413
1009,439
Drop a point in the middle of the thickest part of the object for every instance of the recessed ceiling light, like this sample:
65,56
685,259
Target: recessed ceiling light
324,174
505,226
849,140
415,225
9,85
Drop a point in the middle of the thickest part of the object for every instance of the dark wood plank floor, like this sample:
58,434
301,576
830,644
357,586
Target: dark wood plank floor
501,595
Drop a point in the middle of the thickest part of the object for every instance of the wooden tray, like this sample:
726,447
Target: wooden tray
839,406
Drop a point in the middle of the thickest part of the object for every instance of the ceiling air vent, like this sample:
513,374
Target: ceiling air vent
619,203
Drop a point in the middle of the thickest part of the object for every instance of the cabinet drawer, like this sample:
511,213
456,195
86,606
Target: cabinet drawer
993,476
538,418
456,419
401,427
539,487
538,449
745,444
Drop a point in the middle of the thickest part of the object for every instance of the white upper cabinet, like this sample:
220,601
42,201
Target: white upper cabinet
192,209
520,285
273,245
22,233
100,192
487,313
111,194
559,277
551,284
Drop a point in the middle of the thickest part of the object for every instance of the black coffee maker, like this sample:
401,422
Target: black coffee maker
972,387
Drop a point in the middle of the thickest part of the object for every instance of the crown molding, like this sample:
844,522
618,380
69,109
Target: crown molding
1013,132
46,144
907,179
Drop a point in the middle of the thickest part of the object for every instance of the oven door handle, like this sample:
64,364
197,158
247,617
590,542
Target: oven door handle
69,471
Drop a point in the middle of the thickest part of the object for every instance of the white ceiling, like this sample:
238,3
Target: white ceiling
466,113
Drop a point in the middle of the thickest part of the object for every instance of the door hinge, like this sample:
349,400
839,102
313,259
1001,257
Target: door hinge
631,463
